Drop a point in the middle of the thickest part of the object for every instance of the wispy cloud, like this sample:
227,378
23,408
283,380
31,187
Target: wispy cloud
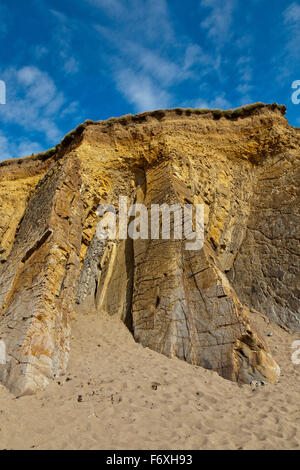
113,8
147,59
219,102
20,148
195,56
287,60
40,51
147,19
63,35
33,102
292,14
141,72
292,21
141,91
245,73
219,21
4,19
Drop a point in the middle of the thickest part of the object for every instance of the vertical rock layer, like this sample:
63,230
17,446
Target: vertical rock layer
195,305
37,284
266,271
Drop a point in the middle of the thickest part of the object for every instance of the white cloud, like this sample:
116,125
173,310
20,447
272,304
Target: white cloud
149,19
152,63
219,102
148,60
244,88
194,55
292,14
154,14
141,91
10,149
4,17
63,34
146,57
218,22
245,74
141,74
32,102
289,59
291,18
112,7
71,66
40,51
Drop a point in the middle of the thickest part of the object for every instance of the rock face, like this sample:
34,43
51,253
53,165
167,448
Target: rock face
38,281
194,305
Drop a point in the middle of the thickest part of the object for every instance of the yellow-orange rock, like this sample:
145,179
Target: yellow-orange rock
195,305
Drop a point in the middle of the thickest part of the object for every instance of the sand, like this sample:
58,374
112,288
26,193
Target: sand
118,395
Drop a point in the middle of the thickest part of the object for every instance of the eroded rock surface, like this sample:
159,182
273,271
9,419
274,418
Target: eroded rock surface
194,305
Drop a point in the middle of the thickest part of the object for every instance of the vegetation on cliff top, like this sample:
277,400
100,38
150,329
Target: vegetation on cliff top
75,135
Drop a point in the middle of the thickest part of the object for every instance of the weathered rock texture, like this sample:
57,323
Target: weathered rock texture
195,305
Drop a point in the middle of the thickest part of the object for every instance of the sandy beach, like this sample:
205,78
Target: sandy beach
118,395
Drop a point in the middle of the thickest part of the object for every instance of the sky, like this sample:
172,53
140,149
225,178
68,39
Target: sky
63,62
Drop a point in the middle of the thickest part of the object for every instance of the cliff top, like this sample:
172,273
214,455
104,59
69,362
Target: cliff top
141,118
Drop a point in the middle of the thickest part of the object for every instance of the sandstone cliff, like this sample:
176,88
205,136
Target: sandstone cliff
195,305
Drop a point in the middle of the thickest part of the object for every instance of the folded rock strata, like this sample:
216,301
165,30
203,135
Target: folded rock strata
194,305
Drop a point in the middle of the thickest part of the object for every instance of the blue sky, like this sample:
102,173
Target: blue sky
71,60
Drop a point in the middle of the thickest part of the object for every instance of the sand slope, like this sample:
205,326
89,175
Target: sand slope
118,395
